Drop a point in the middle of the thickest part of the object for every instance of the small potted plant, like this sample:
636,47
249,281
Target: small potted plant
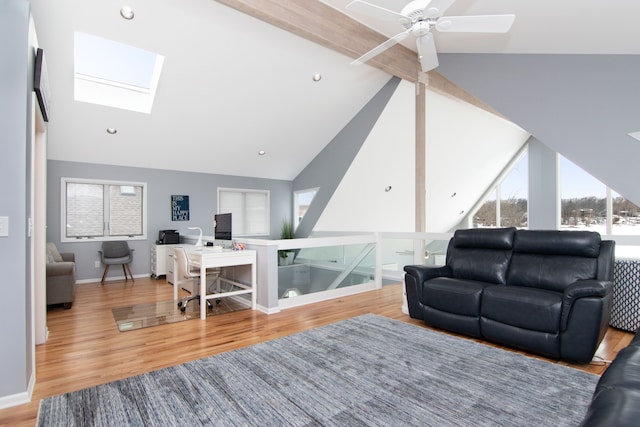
286,256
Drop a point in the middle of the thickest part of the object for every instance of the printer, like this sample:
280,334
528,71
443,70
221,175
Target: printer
168,237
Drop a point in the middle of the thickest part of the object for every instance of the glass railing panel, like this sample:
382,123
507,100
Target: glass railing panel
319,269
396,253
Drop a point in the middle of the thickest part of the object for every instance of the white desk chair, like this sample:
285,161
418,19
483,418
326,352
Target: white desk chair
186,271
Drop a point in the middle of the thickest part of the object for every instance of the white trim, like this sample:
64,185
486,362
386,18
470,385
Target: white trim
285,303
296,205
19,398
103,182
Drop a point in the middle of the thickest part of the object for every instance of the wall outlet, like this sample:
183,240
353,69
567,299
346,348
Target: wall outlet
4,226
97,264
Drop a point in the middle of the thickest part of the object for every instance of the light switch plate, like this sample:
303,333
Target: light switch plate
4,226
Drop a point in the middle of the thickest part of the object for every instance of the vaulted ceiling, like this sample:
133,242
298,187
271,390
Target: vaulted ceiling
237,76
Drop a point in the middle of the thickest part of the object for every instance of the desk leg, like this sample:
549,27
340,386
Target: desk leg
175,279
254,296
203,291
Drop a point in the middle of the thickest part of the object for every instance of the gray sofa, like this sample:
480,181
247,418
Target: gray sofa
61,279
543,291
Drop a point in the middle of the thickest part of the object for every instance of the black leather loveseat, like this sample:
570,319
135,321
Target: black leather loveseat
616,400
544,291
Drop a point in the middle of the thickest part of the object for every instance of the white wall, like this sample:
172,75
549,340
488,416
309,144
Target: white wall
466,150
360,202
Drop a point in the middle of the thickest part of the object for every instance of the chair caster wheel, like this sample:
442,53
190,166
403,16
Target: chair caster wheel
218,301
180,304
183,309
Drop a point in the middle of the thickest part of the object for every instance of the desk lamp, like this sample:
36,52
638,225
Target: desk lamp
199,244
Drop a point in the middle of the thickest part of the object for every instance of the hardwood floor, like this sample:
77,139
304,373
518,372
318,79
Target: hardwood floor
85,347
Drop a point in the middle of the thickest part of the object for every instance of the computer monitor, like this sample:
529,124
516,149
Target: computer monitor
222,229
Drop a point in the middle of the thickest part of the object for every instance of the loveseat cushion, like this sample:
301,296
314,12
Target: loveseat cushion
527,308
553,260
455,296
555,242
480,254
53,255
550,272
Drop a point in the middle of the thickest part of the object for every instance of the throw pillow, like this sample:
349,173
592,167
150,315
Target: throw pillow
52,253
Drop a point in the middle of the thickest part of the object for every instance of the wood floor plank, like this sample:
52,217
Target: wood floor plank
86,349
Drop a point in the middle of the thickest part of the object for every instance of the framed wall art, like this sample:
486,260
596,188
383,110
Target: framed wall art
179,208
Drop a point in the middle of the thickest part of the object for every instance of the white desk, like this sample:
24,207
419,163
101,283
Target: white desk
208,257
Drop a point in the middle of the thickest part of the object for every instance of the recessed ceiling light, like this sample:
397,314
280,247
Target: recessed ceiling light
262,153
317,77
127,13
112,131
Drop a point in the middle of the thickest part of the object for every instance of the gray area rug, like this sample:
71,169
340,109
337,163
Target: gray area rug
365,371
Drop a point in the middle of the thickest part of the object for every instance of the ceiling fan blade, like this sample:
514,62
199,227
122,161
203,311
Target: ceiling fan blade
436,8
427,52
475,24
377,12
382,47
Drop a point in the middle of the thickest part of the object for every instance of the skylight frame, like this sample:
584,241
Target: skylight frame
125,91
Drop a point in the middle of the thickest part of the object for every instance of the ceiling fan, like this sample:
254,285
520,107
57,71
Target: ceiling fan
419,17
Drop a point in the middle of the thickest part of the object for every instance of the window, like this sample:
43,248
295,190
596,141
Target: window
249,210
301,201
584,204
513,193
103,210
625,218
583,199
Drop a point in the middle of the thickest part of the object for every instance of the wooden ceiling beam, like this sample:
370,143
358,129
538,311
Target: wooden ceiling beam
322,24
328,27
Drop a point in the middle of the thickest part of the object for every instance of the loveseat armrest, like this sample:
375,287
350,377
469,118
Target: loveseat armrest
422,273
60,268
68,256
414,278
582,289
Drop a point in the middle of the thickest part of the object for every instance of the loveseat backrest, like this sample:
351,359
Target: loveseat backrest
552,259
481,254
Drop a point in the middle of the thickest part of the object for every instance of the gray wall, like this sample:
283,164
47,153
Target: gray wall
544,209
161,184
15,87
581,106
330,165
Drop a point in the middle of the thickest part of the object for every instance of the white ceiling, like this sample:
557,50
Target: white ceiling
542,26
233,85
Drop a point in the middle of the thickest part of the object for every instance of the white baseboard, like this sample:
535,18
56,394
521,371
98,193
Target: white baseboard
19,398
111,279
266,310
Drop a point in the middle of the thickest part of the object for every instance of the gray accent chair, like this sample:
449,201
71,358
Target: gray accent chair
116,253
61,277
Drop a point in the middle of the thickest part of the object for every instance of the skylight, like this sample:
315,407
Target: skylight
115,74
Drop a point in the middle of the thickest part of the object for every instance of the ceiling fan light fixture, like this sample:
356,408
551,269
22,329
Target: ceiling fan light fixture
444,24
418,17
127,13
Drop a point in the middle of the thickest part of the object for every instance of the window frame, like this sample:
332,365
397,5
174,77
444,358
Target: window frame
105,206
244,191
296,203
